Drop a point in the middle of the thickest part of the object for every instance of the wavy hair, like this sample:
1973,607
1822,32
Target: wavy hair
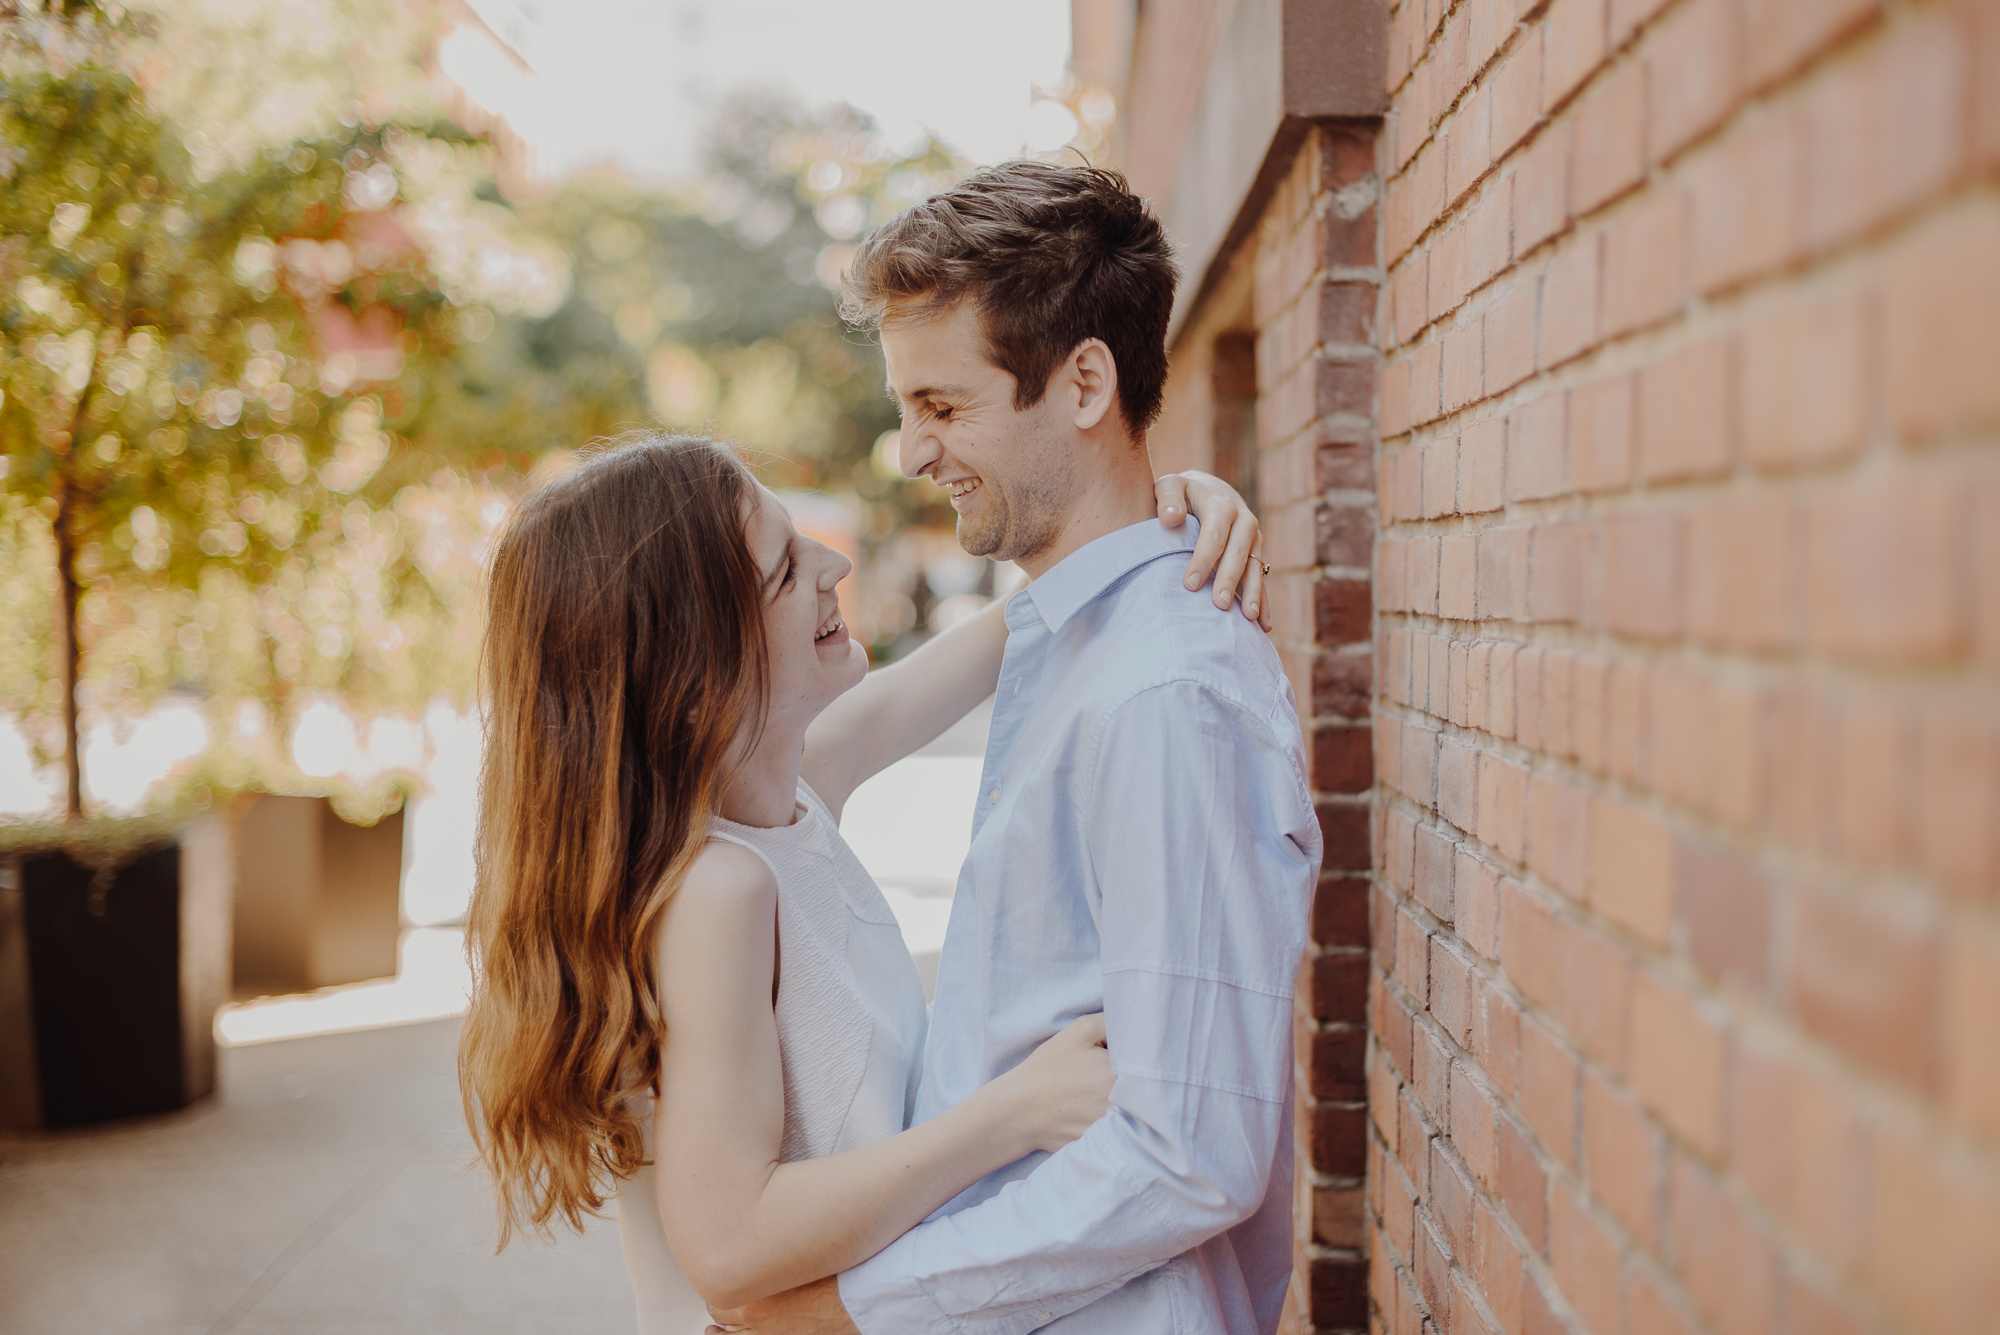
624,653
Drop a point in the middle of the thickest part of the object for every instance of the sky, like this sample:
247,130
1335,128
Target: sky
630,82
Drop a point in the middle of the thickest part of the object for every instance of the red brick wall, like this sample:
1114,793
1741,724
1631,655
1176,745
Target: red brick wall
1317,289
1686,958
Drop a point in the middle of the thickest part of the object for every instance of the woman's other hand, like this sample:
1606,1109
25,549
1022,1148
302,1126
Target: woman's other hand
1065,1084
1231,539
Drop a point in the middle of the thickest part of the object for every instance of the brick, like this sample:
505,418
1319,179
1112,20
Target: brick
1742,579
1745,198
1628,15
1541,190
1432,889
1549,1076
1556,702
1678,1061
1463,348
1496,1266
1874,761
1340,911
1601,434
1476,904
1439,660
1433,1275
1517,93
1608,151
1477,669
1502,577
1694,67
1958,802
1430,1082
1941,323
1685,413
1971,1078
1866,982
1783,34
1810,1310
1642,574
1569,303
1394,412
1337,1140
1524,1184
1558,839
1797,755
1458,785
1573,45
1503,789
1339,1216
1724,903
1451,990
1460,683
1581,977
1337,987
1451,1202
1885,129
1589,691
1729,1265
1626,705
1440,477
1803,384
1342,758
1931,1247
1528,697
1468,144
1424,383
1645,265
1409,297
1398,858
1343,535
1537,446
1509,333
1631,870
1500,691
1985,86
1883,579
1621,1157
1482,464
1584,1260
1496,1031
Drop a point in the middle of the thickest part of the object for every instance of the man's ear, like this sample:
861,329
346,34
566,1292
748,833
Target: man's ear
1092,373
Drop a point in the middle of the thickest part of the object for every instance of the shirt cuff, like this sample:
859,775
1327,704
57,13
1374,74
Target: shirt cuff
882,1296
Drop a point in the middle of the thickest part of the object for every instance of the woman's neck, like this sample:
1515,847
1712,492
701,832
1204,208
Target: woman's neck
764,790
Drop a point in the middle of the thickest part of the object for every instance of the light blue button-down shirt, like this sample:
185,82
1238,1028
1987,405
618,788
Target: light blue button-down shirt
1145,845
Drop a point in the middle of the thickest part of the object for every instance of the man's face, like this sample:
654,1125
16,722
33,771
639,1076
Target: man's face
1011,473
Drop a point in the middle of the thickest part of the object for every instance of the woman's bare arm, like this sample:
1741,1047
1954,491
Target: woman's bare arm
743,1225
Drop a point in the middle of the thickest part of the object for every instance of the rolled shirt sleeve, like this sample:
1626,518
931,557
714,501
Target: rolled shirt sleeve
1202,849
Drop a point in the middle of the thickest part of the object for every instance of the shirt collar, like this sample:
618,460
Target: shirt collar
1077,579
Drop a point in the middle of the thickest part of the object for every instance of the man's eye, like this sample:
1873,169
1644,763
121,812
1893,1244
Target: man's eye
942,414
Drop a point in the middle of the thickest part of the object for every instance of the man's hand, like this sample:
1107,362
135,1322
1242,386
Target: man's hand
810,1309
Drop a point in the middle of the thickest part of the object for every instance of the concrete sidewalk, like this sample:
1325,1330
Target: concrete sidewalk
324,1190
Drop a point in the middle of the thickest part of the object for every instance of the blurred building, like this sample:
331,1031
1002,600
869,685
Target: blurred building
1618,380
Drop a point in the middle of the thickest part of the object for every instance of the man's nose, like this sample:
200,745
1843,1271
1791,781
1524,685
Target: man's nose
917,452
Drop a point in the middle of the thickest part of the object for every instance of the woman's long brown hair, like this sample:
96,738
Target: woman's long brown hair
624,651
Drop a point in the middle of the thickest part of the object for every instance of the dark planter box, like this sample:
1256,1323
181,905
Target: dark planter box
108,990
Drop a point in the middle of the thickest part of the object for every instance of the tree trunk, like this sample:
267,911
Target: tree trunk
67,597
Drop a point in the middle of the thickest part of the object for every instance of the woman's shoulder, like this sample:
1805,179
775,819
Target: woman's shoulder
729,872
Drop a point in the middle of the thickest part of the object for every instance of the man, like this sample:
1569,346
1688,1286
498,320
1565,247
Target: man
1144,842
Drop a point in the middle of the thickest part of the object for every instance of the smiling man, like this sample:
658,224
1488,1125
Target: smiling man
1144,842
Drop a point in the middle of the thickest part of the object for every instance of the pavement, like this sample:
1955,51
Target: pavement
326,1189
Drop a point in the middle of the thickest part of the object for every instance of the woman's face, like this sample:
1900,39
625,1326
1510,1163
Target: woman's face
813,658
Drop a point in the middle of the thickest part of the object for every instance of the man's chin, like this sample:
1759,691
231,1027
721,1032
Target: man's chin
980,539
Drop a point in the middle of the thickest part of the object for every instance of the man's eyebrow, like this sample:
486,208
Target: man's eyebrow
927,392
779,568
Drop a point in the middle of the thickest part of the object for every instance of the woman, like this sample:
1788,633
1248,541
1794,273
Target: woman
667,926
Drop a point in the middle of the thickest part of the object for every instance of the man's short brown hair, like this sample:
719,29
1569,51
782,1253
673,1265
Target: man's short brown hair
1052,255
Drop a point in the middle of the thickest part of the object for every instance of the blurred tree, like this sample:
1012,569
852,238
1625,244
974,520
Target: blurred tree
216,377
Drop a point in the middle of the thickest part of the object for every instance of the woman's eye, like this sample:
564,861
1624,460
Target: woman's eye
791,569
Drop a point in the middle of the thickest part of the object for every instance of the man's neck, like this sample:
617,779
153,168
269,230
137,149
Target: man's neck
1116,496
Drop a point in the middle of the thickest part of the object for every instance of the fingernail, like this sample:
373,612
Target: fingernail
1251,608
1194,581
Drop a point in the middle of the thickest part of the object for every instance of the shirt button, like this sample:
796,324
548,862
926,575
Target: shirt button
994,797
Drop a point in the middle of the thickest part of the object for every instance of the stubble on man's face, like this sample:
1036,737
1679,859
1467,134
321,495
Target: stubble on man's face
1029,486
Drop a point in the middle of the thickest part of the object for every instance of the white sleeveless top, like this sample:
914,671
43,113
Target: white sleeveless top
850,1011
